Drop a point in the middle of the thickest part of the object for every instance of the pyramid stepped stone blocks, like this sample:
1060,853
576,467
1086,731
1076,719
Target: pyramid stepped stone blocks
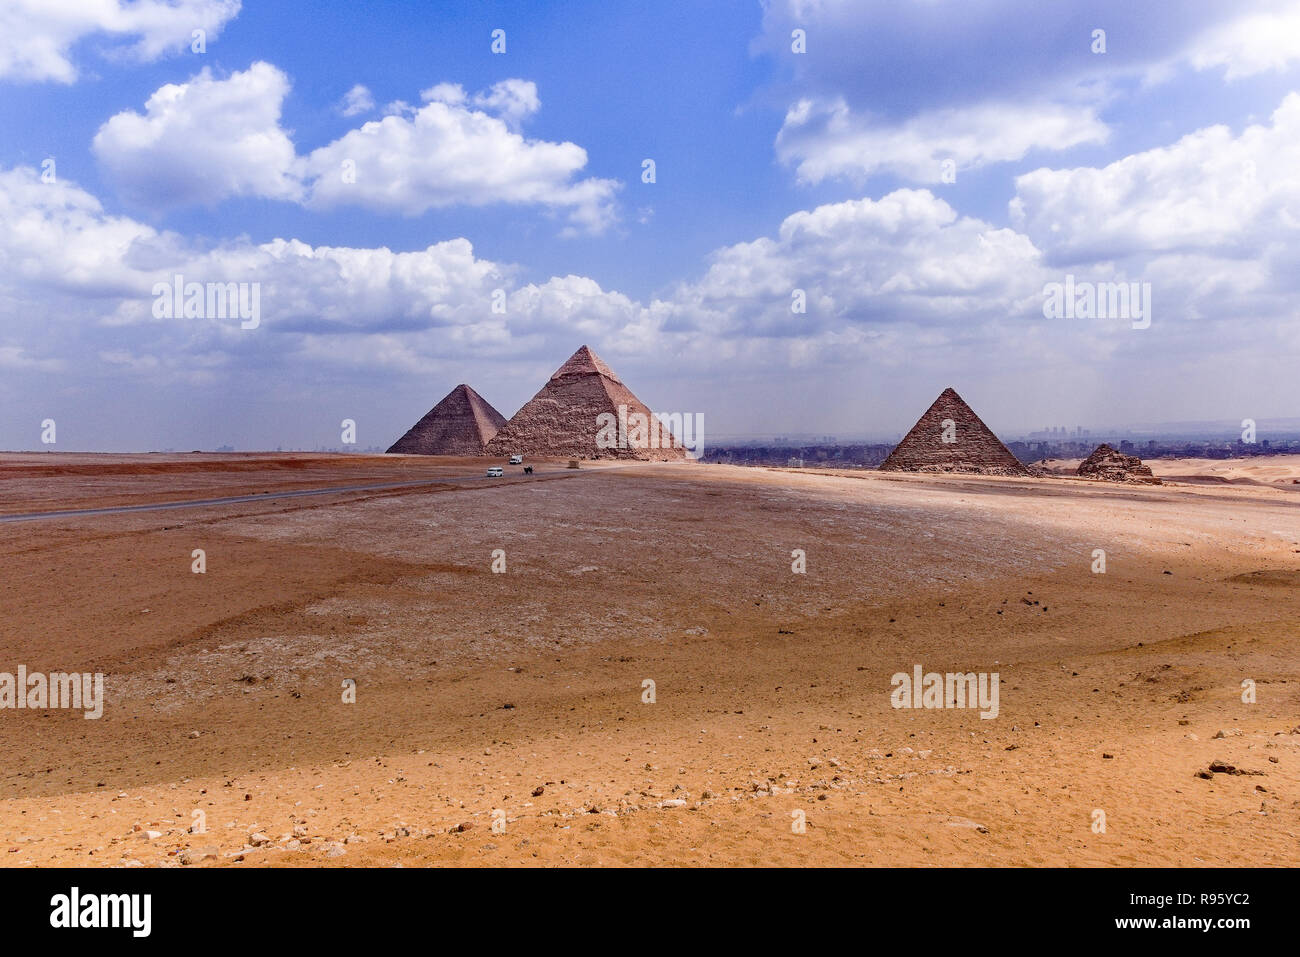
461,424
950,437
563,419
1111,465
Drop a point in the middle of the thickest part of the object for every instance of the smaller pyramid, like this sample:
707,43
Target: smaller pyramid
570,418
950,437
1111,465
461,424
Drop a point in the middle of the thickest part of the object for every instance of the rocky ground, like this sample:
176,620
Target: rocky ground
504,718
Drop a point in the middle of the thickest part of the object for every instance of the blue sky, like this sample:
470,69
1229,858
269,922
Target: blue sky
1171,159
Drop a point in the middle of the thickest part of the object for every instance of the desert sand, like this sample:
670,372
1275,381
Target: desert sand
521,692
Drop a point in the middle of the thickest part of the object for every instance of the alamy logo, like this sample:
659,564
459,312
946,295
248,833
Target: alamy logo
75,909
949,690
179,299
1098,300
658,430
58,689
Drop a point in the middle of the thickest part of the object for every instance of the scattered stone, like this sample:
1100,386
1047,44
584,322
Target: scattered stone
1223,767
193,855
1111,465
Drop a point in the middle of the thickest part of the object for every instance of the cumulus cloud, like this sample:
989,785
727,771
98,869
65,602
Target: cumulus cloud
826,139
886,89
1211,192
512,100
905,58
865,268
210,139
36,36
454,151
1255,43
903,283
356,101
880,278
203,141
62,255
907,257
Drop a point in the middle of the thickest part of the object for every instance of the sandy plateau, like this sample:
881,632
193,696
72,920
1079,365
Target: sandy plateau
522,692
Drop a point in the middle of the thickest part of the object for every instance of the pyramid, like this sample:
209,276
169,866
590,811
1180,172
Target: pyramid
460,424
972,447
1111,465
564,418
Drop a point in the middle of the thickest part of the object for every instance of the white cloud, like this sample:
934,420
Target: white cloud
1210,192
209,139
453,152
356,101
826,139
902,285
1255,43
65,263
512,100
888,88
37,35
58,239
204,141
907,258
864,266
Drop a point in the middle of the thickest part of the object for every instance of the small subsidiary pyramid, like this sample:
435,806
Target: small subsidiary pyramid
1111,465
951,438
461,424
577,415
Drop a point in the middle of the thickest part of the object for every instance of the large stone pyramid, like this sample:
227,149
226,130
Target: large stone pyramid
565,419
951,438
460,424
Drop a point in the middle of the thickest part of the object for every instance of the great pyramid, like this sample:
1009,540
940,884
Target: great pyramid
951,438
460,424
577,415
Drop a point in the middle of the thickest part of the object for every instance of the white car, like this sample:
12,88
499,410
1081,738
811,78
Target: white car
516,460
495,472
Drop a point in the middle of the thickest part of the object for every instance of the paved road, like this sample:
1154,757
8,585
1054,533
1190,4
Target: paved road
262,497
